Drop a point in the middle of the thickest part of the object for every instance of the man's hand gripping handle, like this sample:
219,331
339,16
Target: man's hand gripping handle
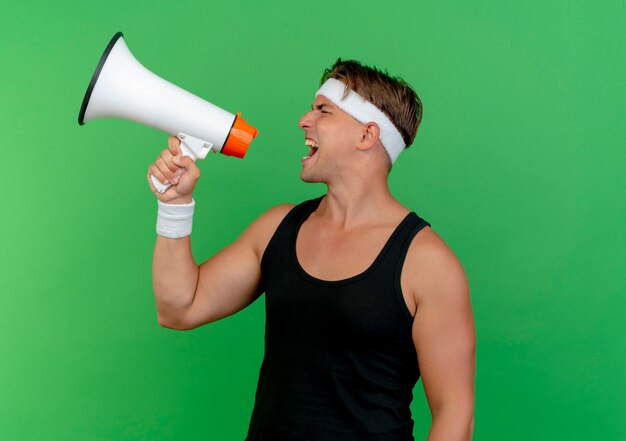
193,147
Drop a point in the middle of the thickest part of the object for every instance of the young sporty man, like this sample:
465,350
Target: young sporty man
362,296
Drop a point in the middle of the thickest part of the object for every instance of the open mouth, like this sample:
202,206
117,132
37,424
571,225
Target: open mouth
312,145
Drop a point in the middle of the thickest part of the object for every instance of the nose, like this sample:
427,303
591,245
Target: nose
306,121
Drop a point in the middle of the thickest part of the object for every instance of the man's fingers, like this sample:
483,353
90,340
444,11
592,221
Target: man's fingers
171,167
173,144
167,156
154,171
171,175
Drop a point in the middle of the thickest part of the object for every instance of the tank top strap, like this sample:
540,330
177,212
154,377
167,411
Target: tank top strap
398,244
303,210
396,255
288,227
412,225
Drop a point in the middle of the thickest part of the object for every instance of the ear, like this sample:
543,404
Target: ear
369,136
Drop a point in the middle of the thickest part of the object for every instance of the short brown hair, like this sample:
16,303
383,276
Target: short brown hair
396,98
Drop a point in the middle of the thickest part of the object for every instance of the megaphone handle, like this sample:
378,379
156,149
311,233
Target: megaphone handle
161,187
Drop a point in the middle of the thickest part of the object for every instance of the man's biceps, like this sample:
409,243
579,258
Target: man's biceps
447,331
445,351
236,264
236,255
225,286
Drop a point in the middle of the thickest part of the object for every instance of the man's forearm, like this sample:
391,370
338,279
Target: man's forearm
174,278
452,425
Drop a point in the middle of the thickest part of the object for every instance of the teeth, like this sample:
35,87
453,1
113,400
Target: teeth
310,143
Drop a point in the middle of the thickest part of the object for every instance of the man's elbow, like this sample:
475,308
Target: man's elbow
170,323
465,423
453,423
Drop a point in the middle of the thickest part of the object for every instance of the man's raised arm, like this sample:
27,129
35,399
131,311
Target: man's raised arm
188,295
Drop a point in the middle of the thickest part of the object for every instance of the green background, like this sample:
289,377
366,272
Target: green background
519,166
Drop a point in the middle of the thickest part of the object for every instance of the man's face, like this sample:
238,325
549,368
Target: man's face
330,134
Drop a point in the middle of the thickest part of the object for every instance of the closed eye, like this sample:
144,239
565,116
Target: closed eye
323,108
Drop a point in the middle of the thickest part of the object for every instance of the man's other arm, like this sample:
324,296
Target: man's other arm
444,336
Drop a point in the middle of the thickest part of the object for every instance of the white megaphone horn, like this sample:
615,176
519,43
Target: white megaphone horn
122,88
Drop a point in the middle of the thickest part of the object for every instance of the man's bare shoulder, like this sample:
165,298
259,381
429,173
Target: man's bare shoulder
433,268
274,216
263,228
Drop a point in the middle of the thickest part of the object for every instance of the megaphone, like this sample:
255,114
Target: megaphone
123,88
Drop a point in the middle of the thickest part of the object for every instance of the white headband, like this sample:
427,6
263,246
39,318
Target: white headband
363,111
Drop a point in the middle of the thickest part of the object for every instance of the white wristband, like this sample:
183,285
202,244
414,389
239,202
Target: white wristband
175,220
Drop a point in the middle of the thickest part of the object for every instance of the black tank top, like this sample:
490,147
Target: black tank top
340,363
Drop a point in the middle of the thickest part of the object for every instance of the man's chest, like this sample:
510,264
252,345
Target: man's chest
335,254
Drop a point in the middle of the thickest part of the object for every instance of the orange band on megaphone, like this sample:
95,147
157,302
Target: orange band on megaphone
239,138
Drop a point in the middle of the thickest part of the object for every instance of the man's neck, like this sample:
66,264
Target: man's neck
360,200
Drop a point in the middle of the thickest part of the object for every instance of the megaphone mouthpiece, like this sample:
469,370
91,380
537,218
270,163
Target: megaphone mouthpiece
239,138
